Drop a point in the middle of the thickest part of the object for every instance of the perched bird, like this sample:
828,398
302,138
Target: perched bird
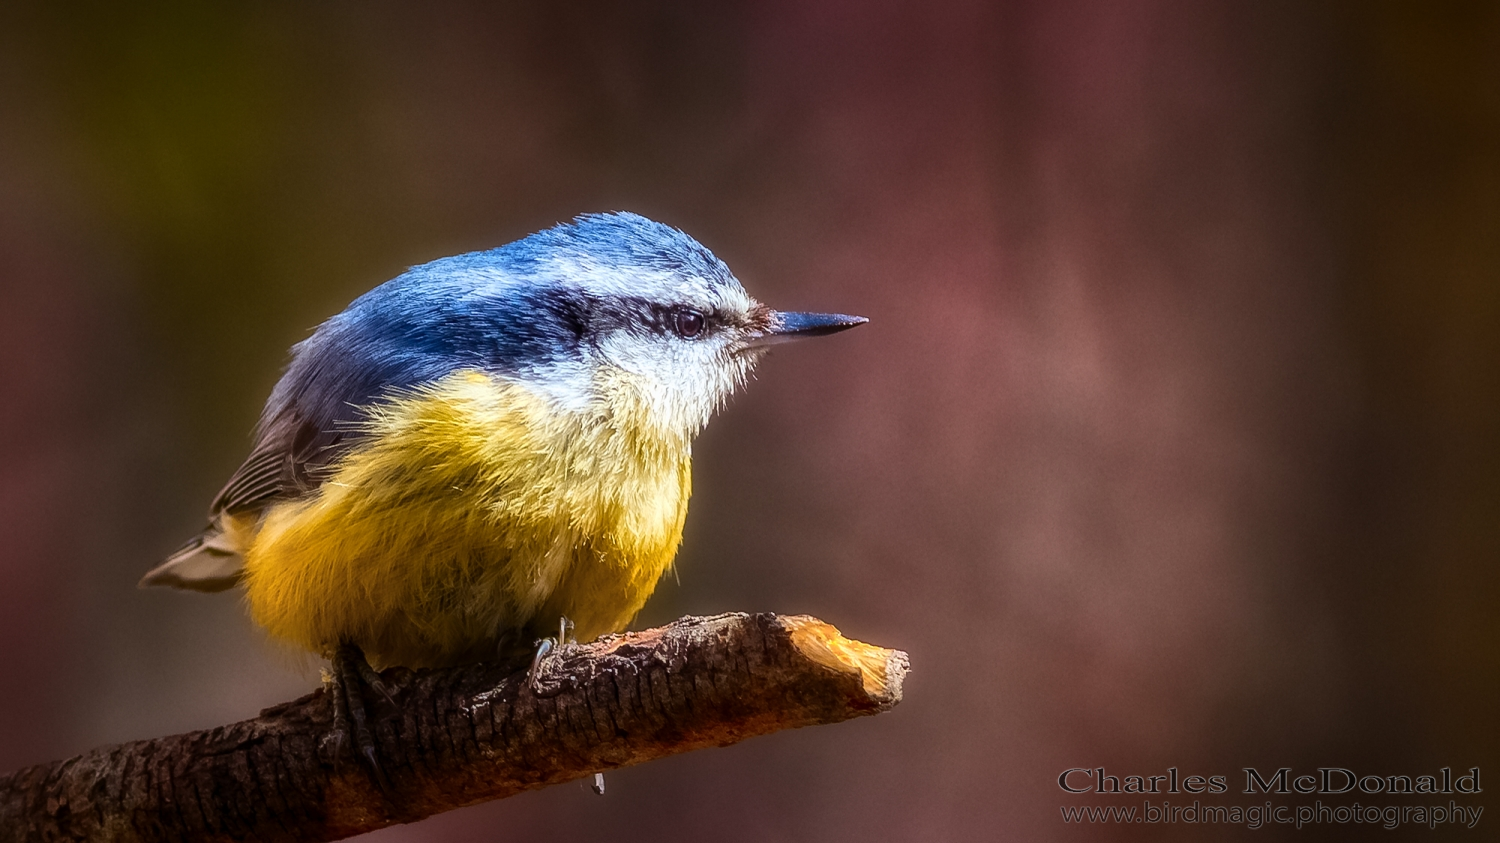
484,445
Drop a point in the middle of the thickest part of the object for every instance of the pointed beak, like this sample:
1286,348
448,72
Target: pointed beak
785,327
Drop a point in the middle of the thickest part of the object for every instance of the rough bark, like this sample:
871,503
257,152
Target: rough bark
460,736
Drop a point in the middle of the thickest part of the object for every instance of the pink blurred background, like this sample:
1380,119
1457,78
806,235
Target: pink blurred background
1172,440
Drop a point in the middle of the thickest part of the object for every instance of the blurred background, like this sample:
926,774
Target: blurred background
1172,440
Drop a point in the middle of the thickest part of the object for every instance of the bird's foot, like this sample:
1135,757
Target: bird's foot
547,647
351,675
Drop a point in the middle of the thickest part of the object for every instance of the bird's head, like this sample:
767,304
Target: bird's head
613,302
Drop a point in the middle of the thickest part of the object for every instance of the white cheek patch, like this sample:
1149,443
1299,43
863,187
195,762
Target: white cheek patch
680,382
570,384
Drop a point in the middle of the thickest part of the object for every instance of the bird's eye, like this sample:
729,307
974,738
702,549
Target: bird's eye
687,323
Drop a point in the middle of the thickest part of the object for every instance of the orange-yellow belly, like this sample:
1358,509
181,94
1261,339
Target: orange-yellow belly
473,517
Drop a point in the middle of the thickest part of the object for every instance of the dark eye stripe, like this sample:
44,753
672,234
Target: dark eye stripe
636,314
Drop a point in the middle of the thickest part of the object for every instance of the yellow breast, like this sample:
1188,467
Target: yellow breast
475,514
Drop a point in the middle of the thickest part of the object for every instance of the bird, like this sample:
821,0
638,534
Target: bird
485,447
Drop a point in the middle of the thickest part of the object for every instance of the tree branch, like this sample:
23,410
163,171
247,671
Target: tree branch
461,736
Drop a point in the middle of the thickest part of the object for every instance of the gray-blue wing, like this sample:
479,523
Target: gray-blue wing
412,330
311,419
289,459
